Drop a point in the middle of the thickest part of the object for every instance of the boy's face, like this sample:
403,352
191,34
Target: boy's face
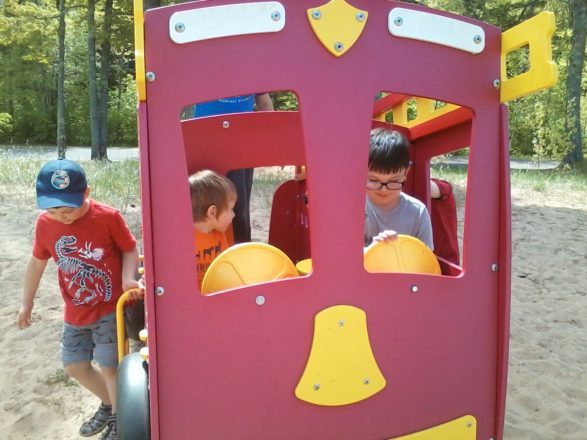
224,220
68,215
385,196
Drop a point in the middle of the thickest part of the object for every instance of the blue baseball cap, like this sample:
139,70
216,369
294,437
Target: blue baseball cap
61,183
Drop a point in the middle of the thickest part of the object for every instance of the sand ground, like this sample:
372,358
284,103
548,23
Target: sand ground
547,391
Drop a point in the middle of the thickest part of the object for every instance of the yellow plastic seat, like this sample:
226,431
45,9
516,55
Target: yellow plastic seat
247,263
406,254
304,267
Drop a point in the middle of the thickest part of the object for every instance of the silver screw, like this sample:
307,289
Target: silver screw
494,267
225,124
260,300
366,381
316,14
316,386
341,323
414,288
160,291
179,27
150,76
275,16
360,16
496,83
338,46
398,21
469,425
477,39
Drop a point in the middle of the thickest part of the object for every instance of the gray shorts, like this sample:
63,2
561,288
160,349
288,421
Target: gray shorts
96,341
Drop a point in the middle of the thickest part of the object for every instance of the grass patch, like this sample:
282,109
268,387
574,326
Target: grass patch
61,378
113,183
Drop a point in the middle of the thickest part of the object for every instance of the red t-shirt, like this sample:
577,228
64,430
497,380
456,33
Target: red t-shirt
443,213
88,254
208,247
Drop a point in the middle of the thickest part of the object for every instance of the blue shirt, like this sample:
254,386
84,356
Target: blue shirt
234,104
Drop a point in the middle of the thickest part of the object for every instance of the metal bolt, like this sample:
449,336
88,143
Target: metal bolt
275,16
414,288
398,21
496,83
179,27
338,46
316,386
360,16
494,267
477,39
469,425
160,291
341,323
260,300
366,381
225,124
316,14
150,76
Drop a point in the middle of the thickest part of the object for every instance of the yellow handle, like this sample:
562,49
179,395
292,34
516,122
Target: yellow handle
120,332
535,33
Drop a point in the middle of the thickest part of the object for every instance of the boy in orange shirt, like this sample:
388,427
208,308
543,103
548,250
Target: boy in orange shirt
213,198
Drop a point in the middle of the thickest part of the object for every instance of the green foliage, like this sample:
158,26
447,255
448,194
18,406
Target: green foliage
28,69
5,126
122,116
284,101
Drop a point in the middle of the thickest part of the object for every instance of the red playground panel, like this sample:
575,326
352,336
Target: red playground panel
340,353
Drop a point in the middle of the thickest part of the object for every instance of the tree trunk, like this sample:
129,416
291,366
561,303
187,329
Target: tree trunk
104,77
92,84
61,84
576,62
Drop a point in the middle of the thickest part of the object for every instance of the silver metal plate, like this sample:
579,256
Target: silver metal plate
226,21
433,28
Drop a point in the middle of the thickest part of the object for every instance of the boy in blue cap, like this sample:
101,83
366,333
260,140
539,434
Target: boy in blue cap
97,259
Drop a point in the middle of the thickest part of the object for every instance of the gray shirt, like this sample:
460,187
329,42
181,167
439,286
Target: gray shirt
409,217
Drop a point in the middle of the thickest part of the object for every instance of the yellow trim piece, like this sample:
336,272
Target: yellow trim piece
140,49
463,428
341,368
337,25
425,111
536,33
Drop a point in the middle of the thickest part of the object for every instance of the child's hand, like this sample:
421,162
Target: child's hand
387,235
137,292
23,320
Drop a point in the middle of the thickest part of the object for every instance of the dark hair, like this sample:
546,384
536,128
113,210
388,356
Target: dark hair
389,151
208,188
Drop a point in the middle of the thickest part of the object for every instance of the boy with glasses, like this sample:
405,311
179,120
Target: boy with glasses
388,210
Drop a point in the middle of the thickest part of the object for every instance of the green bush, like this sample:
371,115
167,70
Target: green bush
5,126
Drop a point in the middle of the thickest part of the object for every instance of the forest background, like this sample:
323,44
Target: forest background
67,75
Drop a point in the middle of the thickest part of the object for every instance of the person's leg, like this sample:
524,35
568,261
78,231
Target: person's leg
76,352
91,378
243,181
106,355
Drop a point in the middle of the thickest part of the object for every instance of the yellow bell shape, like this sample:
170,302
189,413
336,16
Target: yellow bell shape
463,428
341,368
337,25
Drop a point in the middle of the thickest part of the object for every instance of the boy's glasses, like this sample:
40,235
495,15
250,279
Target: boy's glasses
392,186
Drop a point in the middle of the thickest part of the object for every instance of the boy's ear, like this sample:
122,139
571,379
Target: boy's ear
87,193
211,211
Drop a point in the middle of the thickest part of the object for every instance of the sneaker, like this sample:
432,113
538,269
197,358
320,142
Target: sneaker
110,433
97,422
